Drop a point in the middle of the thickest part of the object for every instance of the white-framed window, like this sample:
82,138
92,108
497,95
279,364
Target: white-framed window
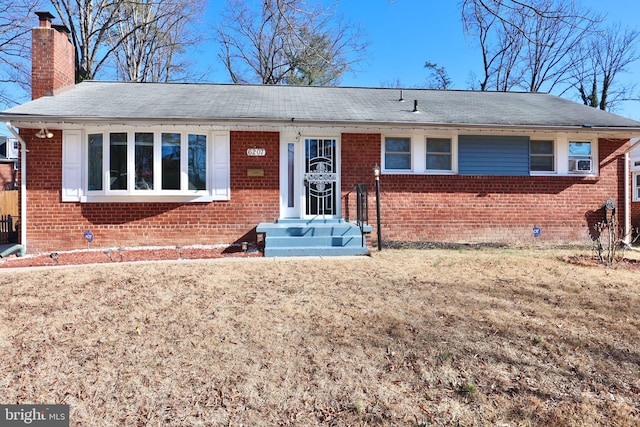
580,157
636,187
419,153
542,156
145,165
444,152
397,153
438,154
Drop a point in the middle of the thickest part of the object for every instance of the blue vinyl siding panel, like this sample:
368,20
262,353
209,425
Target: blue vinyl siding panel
493,155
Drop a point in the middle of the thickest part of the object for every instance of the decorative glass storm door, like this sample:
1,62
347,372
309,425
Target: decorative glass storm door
321,177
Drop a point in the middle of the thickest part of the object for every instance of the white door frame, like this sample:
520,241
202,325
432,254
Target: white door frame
292,168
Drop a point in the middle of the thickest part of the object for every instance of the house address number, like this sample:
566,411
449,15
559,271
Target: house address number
256,152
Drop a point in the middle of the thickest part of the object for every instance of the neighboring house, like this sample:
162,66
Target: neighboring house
180,164
9,152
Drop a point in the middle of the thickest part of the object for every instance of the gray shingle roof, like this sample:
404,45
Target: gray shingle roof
197,103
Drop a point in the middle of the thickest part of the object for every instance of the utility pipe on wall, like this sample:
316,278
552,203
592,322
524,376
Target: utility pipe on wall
627,190
23,186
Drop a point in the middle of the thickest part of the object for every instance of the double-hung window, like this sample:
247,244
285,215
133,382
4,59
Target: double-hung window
438,154
580,157
397,154
635,168
541,156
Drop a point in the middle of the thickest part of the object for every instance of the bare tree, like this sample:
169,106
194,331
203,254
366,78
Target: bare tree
392,84
100,27
438,77
89,22
287,41
309,65
598,64
526,44
150,36
500,44
16,17
547,56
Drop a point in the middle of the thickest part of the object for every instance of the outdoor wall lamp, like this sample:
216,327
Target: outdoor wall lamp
376,174
44,133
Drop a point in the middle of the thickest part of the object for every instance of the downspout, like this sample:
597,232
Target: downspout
23,187
627,193
627,199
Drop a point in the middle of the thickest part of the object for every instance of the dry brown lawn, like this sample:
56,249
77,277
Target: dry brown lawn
498,337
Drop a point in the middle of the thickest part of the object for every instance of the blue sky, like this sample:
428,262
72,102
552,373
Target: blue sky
404,34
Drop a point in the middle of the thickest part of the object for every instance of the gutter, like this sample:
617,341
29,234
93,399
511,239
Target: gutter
23,187
293,121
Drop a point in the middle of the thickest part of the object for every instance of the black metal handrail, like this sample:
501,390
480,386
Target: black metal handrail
362,208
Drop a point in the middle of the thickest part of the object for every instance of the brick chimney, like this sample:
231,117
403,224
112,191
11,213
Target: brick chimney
52,58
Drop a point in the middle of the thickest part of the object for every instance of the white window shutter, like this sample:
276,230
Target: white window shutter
71,165
221,166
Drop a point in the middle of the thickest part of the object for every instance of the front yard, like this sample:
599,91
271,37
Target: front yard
405,337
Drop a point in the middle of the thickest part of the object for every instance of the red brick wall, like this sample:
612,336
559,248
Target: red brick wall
52,62
53,225
414,207
482,208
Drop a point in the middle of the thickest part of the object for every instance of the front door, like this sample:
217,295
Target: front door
309,178
321,177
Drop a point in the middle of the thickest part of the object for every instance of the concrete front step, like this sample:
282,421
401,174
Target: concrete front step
315,241
318,237
314,251
323,230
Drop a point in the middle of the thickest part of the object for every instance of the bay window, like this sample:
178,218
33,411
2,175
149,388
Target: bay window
146,165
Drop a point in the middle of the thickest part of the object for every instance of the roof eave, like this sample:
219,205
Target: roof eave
26,121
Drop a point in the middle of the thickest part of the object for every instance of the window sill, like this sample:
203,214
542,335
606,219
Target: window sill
419,173
141,198
580,176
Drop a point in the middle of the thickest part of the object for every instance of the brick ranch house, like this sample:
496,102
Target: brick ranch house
141,164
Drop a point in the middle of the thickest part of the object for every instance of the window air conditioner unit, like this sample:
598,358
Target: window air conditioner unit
9,148
582,165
